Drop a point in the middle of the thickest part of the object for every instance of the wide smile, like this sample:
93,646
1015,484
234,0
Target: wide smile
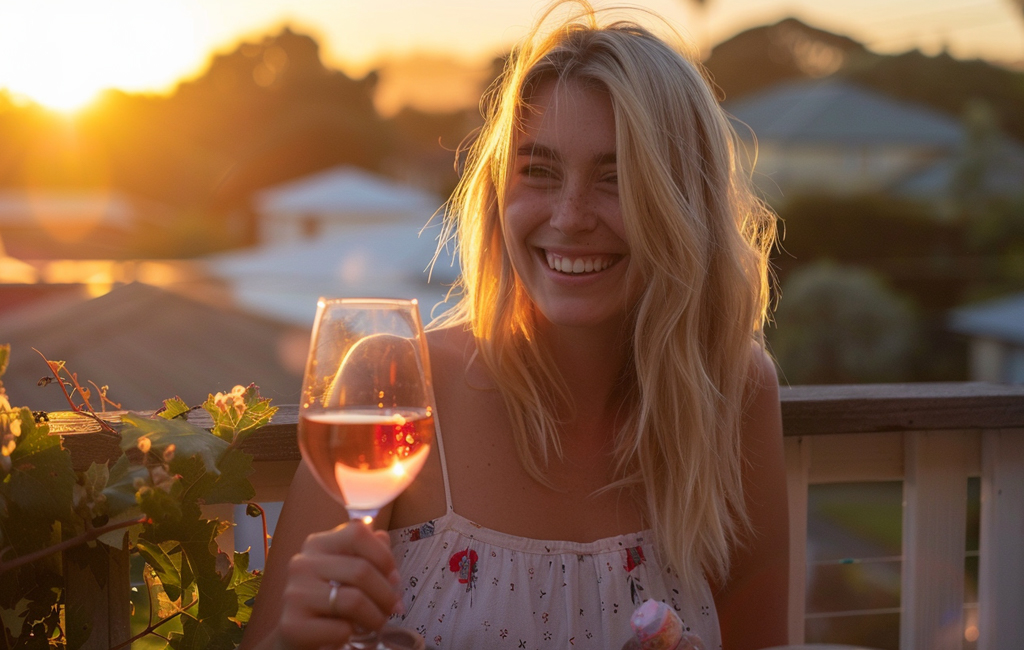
579,264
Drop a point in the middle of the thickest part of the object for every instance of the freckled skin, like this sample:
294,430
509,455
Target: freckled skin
563,199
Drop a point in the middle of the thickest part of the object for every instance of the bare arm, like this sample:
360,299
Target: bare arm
313,544
752,605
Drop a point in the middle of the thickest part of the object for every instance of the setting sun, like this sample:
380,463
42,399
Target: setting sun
61,53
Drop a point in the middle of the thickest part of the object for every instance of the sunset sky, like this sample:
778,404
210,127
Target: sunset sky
61,52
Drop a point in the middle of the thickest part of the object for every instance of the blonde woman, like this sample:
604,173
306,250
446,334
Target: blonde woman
609,427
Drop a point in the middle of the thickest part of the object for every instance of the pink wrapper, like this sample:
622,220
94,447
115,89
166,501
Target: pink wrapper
657,627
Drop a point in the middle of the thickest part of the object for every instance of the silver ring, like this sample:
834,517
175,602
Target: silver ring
332,600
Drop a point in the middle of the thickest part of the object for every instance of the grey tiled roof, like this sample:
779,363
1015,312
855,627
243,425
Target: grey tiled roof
837,112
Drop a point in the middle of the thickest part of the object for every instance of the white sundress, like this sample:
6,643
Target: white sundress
466,587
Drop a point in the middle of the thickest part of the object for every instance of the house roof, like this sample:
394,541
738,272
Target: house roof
148,345
387,260
1004,176
837,112
345,190
1001,319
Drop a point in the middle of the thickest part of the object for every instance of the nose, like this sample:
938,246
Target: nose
573,211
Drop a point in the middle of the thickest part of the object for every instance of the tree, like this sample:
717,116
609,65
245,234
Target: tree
842,325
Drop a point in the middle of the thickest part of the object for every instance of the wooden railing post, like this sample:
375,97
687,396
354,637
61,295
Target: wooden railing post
1001,570
934,531
97,597
798,457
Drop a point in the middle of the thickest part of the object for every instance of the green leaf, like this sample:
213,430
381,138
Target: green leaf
121,489
188,439
173,408
232,484
41,479
245,585
159,505
228,425
89,500
163,565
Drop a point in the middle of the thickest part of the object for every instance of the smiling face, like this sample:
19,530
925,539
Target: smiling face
563,225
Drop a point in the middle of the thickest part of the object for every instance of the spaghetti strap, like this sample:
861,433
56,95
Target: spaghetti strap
444,465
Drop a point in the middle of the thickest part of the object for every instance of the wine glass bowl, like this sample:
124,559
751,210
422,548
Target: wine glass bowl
366,419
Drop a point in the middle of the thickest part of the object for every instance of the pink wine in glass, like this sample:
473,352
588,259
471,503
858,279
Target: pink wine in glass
368,456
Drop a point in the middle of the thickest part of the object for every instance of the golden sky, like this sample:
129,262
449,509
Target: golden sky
61,52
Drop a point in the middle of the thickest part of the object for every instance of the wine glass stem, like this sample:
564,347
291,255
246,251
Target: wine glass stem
362,640
365,516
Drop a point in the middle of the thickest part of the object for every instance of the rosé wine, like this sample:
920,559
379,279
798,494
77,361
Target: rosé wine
366,456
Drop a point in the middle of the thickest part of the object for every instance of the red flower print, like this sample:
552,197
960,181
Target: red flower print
464,564
634,557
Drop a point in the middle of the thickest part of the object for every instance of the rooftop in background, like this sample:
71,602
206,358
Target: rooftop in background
346,191
837,112
148,345
283,281
1001,319
832,136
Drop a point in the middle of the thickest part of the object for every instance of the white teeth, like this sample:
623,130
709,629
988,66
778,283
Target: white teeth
578,265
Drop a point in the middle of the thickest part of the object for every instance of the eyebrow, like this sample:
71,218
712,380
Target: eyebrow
533,149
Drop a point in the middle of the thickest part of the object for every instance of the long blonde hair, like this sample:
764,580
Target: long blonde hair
698,237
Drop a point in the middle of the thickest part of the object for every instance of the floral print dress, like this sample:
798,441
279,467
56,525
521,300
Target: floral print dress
469,587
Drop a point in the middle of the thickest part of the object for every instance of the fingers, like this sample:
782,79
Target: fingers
359,561
353,574
357,539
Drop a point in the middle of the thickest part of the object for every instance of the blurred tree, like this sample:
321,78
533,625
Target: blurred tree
839,324
899,240
761,57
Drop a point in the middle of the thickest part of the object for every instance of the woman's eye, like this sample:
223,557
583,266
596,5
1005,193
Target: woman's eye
536,171
610,180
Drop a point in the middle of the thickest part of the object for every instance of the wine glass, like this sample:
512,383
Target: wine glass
366,418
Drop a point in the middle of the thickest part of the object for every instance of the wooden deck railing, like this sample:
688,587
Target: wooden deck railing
932,437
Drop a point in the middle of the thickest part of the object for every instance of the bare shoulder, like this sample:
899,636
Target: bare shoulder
452,355
449,342
762,391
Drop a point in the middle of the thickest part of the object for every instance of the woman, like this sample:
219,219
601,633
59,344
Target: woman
603,374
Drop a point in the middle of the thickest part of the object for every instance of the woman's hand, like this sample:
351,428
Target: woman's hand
314,544
342,581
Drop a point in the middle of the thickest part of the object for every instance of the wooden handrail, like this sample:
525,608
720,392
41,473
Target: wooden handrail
930,436
806,411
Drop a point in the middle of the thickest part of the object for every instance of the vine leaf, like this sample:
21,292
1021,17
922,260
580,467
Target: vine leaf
174,408
232,485
239,413
157,558
188,439
41,479
121,487
245,584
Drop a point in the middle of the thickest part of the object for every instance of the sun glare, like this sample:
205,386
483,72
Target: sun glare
62,53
